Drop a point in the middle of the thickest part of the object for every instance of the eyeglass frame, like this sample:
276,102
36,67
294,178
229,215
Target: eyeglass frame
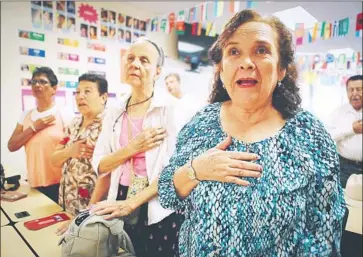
41,82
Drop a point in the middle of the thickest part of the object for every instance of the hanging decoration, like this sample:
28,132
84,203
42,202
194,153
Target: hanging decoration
203,11
163,24
299,33
219,6
194,28
250,4
335,31
343,27
171,19
180,26
200,27
327,31
192,15
154,24
208,28
359,25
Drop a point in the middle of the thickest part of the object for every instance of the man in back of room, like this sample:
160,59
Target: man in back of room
345,127
172,82
188,104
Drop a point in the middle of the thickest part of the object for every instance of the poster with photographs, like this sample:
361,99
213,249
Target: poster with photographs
83,30
88,17
128,35
36,14
136,28
29,67
48,15
121,25
108,24
66,16
93,32
96,47
128,30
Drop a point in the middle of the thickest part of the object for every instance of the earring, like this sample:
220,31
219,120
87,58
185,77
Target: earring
223,86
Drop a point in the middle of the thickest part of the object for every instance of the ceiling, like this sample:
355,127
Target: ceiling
322,11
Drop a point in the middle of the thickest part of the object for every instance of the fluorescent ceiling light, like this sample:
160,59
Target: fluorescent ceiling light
189,48
296,15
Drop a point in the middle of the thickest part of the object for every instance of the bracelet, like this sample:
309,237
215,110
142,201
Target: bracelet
32,127
195,173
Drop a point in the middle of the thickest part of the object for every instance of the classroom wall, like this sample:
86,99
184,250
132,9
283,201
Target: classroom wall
17,15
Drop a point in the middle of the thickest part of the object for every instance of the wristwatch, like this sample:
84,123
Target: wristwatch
191,171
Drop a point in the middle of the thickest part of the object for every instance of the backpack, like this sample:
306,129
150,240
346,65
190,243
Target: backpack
90,235
13,180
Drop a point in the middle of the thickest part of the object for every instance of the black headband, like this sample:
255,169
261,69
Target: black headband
158,48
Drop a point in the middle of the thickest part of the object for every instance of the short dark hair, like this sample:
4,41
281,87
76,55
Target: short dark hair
100,81
48,72
354,78
175,75
286,97
158,48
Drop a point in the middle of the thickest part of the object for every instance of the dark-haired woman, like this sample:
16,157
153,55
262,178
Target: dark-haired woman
254,174
39,130
74,152
79,186
136,141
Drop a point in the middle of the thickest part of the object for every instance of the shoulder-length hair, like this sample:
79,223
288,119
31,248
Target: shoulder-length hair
286,97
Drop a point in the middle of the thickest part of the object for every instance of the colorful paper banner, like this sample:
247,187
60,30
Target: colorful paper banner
28,67
192,15
96,47
31,35
68,71
68,42
32,52
68,84
171,19
96,60
299,33
154,24
343,27
250,4
163,24
68,57
99,73
180,26
359,25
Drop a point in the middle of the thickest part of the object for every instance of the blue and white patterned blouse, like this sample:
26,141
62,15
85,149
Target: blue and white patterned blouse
295,209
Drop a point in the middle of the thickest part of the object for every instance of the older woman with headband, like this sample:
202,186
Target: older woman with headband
136,142
255,174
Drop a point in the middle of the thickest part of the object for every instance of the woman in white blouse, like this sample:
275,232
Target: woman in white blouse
139,137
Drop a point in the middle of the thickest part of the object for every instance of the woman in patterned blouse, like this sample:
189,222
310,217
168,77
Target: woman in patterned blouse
74,152
295,205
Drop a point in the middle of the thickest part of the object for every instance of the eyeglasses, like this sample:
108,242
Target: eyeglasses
41,82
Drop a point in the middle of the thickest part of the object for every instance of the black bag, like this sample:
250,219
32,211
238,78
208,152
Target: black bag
2,176
14,180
